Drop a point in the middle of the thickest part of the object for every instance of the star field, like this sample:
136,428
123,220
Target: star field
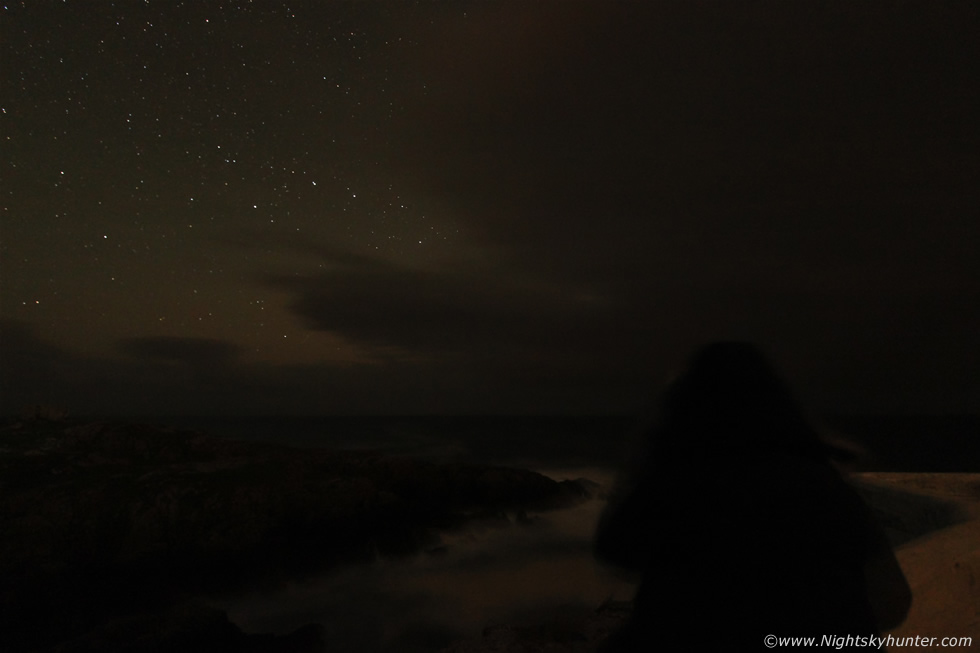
140,136
481,207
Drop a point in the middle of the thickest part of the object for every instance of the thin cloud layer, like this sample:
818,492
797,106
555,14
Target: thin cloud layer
431,313
195,352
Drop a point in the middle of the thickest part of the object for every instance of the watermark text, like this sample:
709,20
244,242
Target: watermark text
865,641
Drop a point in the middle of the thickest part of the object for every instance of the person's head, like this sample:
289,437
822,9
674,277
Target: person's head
730,397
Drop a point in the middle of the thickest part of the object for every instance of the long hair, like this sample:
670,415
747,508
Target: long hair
730,398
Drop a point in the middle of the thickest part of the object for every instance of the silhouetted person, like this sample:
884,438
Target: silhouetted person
738,524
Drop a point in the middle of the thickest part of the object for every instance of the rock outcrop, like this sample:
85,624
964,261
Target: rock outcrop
103,520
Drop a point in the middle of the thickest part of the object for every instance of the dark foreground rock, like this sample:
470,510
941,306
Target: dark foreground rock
101,522
187,628
568,630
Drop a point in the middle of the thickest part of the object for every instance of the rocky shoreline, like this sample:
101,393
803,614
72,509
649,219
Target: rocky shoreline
110,531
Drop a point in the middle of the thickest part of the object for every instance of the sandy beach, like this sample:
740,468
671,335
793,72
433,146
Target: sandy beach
936,519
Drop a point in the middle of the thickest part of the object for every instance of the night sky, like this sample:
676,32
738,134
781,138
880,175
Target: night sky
484,207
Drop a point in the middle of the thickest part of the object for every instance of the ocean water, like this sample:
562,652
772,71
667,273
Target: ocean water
526,442
506,572
491,572
949,443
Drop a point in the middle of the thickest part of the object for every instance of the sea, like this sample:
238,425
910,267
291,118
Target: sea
891,443
502,572
526,442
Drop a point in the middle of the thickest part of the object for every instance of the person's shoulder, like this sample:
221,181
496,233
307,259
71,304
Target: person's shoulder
792,468
813,491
